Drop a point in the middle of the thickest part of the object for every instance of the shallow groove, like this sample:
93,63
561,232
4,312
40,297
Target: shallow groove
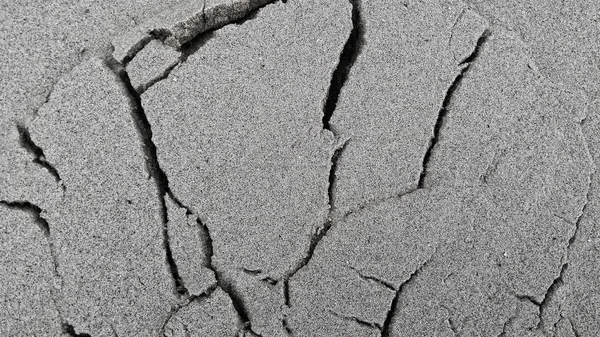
357,320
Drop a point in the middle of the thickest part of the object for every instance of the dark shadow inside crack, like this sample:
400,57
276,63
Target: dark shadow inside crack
348,57
39,157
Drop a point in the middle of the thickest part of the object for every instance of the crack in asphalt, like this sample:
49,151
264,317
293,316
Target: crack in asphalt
152,165
193,298
348,57
39,157
70,330
386,328
193,45
36,213
164,190
439,123
381,282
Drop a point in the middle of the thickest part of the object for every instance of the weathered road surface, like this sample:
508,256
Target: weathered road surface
300,168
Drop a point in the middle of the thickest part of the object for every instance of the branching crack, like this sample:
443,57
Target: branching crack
152,165
509,322
357,320
439,123
549,296
192,46
39,157
222,282
321,232
386,329
559,281
193,298
348,57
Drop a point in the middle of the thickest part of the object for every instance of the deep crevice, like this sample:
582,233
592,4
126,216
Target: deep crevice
223,283
39,157
70,330
385,330
152,165
192,46
439,123
348,57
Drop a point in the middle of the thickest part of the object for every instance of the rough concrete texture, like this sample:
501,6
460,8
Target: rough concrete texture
300,168
184,20
151,65
191,319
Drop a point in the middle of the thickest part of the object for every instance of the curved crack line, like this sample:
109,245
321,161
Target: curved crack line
152,165
348,57
439,123
39,157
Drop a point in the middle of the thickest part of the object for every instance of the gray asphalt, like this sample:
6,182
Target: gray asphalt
300,168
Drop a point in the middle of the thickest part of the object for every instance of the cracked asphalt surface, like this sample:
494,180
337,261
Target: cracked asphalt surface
181,168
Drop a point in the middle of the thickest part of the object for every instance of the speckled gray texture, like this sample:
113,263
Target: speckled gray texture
300,168
151,64
212,316
189,249
28,277
238,148
106,229
184,20
402,73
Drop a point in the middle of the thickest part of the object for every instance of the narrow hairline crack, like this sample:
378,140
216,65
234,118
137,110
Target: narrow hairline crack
559,281
192,298
383,283
439,123
357,320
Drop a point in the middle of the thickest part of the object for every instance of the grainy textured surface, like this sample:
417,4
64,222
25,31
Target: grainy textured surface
300,168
